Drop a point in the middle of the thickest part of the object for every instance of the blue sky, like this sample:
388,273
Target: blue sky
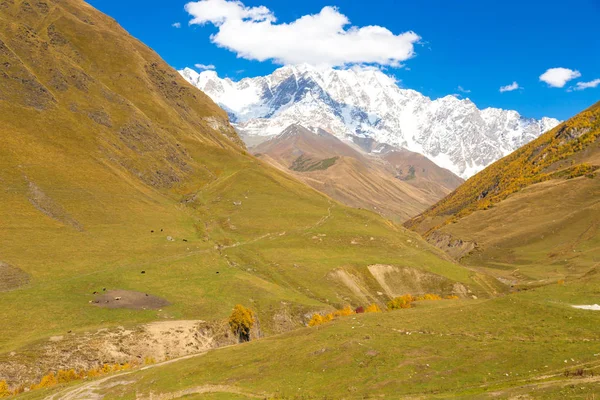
477,45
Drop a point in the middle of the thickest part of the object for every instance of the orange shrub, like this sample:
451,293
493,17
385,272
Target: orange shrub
46,381
344,312
92,373
4,391
373,308
316,319
64,376
404,301
430,297
452,297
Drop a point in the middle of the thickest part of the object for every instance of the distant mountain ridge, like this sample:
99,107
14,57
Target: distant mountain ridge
395,183
365,103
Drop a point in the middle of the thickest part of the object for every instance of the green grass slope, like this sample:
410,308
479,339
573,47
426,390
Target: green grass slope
527,345
111,164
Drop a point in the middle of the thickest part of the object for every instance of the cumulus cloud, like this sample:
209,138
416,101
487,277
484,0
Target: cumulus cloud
587,85
176,25
325,38
461,89
510,88
558,77
204,67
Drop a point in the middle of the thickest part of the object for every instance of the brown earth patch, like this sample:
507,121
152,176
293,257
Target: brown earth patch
11,277
396,281
129,299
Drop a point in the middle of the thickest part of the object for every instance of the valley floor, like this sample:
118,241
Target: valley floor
530,344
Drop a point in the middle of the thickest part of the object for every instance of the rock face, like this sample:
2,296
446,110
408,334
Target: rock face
364,103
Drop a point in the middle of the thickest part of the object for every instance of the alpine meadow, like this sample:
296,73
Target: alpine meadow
323,218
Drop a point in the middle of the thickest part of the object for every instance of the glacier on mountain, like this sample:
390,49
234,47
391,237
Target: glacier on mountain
364,102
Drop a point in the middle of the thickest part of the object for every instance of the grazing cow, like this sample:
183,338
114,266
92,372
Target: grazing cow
143,272
117,298
185,240
151,231
95,293
359,310
104,289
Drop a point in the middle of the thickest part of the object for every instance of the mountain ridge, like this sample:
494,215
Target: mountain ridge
395,183
366,103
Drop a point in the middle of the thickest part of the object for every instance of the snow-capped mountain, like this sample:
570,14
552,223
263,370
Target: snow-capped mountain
367,103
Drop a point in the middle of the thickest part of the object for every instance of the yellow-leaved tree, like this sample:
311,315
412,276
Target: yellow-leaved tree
4,391
241,321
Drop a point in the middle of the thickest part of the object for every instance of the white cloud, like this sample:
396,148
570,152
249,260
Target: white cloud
176,25
320,39
510,88
587,85
558,77
204,67
461,89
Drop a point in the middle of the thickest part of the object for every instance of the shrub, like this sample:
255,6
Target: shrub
47,381
373,308
241,321
149,360
64,376
404,301
429,297
344,312
316,319
561,281
94,372
452,297
4,391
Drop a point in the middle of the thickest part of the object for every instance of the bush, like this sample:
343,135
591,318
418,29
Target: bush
64,376
452,297
4,391
241,321
429,297
149,360
316,319
46,381
373,308
344,312
404,301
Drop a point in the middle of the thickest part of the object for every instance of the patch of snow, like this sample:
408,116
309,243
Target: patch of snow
594,307
365,102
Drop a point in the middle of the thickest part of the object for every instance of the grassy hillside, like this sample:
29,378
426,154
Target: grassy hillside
117,175
568,151
533,216
527,345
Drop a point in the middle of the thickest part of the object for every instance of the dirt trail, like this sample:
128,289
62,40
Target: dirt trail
278,234
90,390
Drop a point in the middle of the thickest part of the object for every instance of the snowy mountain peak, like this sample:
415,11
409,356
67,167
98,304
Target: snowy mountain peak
367,103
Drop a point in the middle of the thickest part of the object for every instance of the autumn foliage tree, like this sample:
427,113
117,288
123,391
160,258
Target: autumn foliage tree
4,391
372,308
404,301
241,321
